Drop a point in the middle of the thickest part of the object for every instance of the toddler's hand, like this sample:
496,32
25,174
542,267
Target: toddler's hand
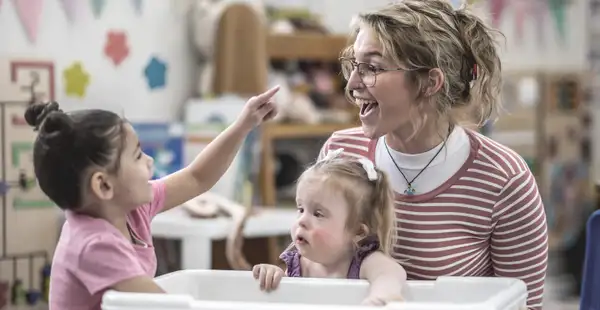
269,276
258,109
376,300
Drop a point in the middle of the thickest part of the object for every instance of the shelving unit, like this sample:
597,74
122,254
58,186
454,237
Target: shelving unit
245,49
548,134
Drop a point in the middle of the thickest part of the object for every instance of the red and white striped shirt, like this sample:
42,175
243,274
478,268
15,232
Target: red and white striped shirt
486,220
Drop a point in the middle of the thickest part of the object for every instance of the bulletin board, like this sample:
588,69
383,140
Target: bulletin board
28,219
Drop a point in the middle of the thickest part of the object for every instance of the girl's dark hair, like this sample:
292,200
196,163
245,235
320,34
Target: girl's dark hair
68,145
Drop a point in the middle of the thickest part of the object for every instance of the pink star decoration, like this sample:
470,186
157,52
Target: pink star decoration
116,46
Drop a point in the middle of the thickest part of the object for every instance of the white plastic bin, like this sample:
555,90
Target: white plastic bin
238,290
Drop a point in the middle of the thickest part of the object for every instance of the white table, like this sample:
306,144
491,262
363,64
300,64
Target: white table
197,235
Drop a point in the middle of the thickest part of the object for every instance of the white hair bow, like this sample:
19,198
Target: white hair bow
365,163
333,154
369,168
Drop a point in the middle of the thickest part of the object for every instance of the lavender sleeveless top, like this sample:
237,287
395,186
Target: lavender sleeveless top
291,257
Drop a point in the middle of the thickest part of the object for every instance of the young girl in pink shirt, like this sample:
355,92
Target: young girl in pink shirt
344,229
90,164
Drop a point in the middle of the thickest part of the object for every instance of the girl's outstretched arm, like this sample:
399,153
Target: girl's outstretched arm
210,165
386,278
141,284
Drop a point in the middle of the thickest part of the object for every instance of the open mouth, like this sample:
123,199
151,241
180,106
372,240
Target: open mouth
301,240
366,106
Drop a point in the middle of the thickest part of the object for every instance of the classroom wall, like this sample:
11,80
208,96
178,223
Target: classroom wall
158,31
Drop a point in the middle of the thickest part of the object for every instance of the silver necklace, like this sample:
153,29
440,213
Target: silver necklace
410,190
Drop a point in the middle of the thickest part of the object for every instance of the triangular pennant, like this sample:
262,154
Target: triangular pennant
557,10
521,10
98,7
70,7
29,12
496,10
138,6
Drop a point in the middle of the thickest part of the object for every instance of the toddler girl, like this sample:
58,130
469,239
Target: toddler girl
90,164
344,229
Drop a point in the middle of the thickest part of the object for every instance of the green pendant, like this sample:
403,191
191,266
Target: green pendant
409,191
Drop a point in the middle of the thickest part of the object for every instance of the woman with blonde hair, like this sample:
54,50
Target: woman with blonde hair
465,205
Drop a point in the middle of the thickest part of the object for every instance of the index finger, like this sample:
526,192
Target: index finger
268,94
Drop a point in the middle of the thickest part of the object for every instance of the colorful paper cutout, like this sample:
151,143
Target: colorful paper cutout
496,10
98,7
138,6
116,47
29,12
557,10
525,10
70,8
156,73
76,80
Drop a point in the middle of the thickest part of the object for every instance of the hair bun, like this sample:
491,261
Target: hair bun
49,118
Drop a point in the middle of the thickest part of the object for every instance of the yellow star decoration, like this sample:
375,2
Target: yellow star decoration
76,80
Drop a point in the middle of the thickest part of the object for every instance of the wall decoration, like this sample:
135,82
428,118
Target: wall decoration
98,7
155,73
497,8
34,79
526,10
116,47
138,5
76,80
70,8
558,12
29,12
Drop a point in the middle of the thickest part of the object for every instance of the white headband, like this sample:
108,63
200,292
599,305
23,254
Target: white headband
365,163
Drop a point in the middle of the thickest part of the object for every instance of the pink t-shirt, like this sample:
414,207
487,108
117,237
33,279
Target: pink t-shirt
92,255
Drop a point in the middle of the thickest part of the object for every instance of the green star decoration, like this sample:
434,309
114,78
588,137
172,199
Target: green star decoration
76,80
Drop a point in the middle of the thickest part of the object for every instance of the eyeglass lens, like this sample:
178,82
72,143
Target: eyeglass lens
365,71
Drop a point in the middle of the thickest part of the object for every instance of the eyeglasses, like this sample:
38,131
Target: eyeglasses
367,72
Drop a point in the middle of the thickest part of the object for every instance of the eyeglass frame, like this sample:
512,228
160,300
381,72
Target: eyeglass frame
376,71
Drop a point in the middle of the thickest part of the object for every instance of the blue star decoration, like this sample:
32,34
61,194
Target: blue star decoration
156,73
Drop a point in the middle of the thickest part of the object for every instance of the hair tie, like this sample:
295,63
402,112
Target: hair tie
369,168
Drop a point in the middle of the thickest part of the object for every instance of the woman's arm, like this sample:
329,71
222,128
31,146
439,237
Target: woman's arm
210,165
519,242
386,278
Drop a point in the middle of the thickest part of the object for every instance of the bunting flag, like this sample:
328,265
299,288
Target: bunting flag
521,10
138,6
98,7
496,10
525,10
557,10
29,12
70,6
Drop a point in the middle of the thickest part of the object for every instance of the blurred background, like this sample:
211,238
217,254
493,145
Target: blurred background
180,70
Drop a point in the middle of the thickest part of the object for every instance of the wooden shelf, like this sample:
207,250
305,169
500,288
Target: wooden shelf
274,131
307,46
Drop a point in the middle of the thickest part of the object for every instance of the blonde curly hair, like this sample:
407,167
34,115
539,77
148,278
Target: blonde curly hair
427,34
